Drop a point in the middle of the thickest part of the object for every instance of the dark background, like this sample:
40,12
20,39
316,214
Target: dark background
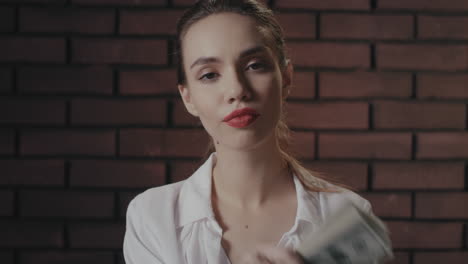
90,116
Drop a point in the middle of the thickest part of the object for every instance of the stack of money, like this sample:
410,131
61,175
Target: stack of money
352,237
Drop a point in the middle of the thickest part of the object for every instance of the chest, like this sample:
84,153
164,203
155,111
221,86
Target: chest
243,231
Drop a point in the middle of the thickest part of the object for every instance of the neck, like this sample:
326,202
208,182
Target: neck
250,179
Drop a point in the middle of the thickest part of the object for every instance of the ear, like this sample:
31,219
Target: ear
287,79
185,94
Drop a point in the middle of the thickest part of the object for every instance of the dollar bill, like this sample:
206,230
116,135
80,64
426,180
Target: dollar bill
351,237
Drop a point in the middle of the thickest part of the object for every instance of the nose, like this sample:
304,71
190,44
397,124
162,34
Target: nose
238,89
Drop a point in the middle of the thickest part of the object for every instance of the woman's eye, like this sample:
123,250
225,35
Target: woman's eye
256,66
209,76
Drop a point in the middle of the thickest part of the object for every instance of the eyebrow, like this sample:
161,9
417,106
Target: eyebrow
247,52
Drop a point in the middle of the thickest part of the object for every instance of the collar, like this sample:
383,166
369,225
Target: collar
195,194
195,198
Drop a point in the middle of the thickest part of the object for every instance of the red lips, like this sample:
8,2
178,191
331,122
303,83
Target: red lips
241,117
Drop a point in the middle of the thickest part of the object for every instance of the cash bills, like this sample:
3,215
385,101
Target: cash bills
352,236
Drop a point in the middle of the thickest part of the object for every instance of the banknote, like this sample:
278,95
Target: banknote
352,236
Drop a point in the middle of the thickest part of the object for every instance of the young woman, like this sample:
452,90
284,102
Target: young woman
251,201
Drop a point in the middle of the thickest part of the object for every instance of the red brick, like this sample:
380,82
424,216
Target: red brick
157,142
122,51
27,111
23,49
69,257
303,85
351,174
66,203
70,80
443,145
181,117
96,235
400,258
124,200
34,1
183,2
122,2
7,257
6,81
365,85
66,19
117,174
440,257
7,19
67,142
150,82
118,112
149,22
466,236
436,5
6,203
191,2
120,258
442,27
32,172
442,205
422,57
297,25
7,141
365,145
303,144
424,235
330,54
27,234
181,170
329,115
455,86
350,26
419,175
330,4
390,204
418,115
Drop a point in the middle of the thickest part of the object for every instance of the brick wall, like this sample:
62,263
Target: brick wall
90,116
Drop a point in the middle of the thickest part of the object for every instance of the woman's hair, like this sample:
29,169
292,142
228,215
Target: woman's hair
268,23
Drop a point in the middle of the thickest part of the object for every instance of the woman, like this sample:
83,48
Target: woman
250,202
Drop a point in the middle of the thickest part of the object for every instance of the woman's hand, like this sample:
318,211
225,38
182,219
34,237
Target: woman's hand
273,255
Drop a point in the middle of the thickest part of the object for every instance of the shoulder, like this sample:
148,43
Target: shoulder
150,234
176,204
332,201
154,195
157,202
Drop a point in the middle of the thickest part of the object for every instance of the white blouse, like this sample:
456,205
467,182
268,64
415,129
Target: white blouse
175,223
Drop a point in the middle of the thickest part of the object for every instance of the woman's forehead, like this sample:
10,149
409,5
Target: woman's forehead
221,35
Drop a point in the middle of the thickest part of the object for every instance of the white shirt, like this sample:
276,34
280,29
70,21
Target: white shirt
175,223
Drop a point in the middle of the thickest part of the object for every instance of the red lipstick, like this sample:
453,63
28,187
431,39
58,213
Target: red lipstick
241,117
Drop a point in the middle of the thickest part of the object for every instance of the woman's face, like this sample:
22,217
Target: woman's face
229,66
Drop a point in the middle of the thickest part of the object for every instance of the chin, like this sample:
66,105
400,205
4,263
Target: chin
250,141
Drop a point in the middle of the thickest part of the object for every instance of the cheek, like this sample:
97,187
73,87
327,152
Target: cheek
269,88
206,102
207,116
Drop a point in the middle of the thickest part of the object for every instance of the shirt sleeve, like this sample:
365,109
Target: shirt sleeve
134,249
